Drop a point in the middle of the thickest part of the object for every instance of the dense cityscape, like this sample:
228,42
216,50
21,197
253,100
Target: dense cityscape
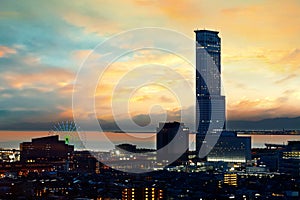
47,168
50,168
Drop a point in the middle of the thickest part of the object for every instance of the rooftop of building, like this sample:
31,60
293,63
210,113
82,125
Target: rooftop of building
52,138
206,31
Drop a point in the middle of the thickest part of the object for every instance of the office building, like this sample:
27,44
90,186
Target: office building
84,161
210,104
280,158
46,150
289,159
172,141
231,148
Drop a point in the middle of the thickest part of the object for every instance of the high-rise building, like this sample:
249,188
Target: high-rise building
172,141
231,148
210,105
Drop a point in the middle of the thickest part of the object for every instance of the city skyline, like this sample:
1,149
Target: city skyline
42,49
140,99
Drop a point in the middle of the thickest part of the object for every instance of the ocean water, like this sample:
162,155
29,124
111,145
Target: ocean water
106,141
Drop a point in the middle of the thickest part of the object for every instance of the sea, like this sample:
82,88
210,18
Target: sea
105,141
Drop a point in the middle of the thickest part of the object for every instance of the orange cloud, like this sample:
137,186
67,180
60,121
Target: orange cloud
166,99
45,80
66,113
67,89
91,23
290,62
80,55
263,22
184,12
247,109
5,51
142,98
238,11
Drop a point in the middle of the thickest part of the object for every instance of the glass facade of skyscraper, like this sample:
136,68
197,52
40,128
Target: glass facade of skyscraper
210,104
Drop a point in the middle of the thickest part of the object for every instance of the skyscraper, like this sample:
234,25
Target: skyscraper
210,104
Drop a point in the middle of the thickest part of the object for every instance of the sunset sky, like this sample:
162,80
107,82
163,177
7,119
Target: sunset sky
43,44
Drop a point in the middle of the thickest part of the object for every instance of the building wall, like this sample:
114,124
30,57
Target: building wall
231,149
45,149
172,140
289,159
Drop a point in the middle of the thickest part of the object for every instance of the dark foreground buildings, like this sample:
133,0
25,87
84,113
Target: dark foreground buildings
48,151
142,193
172,142
49,154
289,159
45,149
280,158
231,149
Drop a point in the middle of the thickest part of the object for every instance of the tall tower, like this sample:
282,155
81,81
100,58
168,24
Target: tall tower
210,104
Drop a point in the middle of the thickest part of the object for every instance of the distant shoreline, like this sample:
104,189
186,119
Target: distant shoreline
239,132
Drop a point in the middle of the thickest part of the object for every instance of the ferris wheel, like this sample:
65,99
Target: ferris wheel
67,131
